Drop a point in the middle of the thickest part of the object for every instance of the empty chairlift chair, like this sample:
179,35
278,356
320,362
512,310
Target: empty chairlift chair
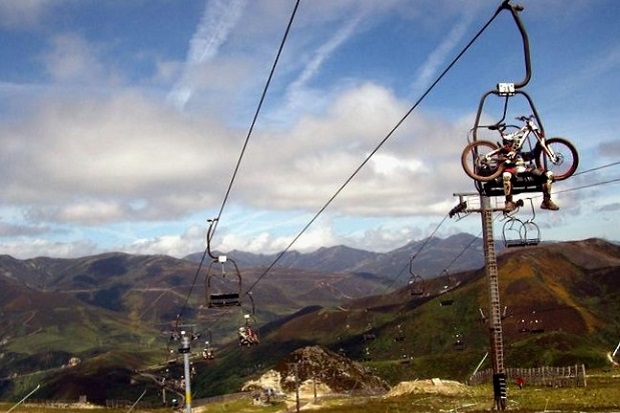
228,293
517,233
416,283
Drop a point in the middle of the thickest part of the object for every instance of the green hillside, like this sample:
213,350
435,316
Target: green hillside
562,308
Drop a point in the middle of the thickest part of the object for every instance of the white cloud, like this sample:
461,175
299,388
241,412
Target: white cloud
219,18
24,14
40,247
89,153
73,59
172,245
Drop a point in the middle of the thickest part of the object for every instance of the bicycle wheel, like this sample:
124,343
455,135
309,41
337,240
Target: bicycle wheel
565,162
478,164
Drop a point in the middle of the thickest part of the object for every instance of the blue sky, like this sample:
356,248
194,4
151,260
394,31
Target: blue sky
121,121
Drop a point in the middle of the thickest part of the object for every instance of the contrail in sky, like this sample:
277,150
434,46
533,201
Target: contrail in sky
218,19
322,54
435,59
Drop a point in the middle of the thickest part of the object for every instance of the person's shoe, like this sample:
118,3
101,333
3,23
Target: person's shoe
549,204
510,206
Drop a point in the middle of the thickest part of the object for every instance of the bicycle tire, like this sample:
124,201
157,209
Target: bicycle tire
477,166
567,158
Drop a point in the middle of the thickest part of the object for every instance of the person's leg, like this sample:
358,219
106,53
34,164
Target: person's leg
547,203
507,180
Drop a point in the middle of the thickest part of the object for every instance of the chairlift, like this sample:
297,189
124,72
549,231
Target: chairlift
400,334
208,352
521,184
506,91
247,333
416,282
458,341
531,230
532,324
536,324
232,289
369,333
229,291
446,288
517,233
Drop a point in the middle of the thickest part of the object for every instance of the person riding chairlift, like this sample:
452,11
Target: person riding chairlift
524,165
247,336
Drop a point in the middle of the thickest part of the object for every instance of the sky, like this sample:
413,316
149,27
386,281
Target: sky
122,121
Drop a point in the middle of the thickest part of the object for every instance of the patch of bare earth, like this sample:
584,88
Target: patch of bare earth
430,386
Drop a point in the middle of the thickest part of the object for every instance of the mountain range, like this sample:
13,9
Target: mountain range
116,311
432,256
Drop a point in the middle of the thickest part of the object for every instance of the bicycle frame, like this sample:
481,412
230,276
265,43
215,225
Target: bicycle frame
519,138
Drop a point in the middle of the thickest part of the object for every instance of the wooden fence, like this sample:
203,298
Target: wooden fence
570,376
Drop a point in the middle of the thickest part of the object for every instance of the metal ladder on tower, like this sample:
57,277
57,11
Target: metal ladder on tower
495,319
495,307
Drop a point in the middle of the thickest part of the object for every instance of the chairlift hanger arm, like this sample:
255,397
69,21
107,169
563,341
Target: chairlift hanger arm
210,231
510,89
514,11
411,265
498,124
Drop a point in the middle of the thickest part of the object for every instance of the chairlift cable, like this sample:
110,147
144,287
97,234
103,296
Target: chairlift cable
191,289
586,186
611,181
241,154
426,241
376,149
499,215
597,168
566,190
258,109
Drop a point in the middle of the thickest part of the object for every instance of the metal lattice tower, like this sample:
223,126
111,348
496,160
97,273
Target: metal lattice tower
495,313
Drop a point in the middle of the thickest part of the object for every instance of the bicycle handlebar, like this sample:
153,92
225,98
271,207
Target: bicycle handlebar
524,118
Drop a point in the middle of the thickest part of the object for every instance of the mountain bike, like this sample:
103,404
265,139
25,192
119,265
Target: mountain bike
484,160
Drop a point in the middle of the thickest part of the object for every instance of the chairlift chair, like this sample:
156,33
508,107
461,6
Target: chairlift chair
532,234
518,233
208,352
232,296
521,184
248,333
367,356
531,230
458,341
416,282
369,333
513,232
400,334
536,326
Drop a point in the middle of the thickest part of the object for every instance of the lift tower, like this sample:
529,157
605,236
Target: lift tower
466,205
